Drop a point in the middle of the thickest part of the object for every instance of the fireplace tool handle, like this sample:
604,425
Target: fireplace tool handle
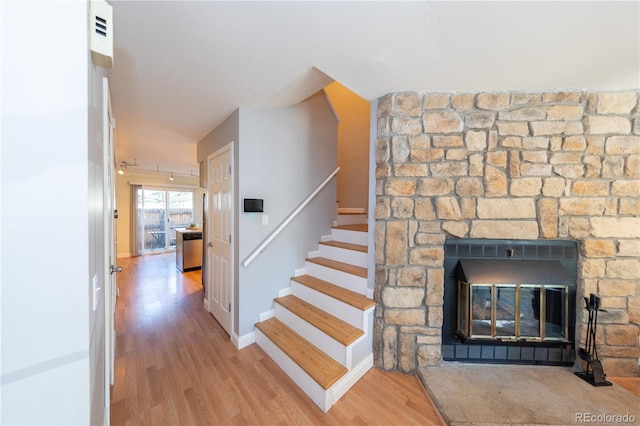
594,372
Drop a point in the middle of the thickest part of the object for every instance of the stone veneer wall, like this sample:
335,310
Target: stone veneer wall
557,165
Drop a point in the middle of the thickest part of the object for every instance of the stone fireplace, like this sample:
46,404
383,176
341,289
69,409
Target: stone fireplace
529,167
509,301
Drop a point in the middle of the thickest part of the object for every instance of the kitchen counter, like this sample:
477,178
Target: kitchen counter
188,249
189,230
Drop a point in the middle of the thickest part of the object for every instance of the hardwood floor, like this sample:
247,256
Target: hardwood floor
175,365
632,384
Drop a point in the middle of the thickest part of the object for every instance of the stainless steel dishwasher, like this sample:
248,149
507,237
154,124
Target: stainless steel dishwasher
188,250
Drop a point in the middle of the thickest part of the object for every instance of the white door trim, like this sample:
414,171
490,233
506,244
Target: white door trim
110,258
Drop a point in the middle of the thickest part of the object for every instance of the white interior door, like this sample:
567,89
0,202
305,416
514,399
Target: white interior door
110,216
220,264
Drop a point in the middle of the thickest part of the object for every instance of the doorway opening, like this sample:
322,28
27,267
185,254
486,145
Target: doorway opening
353,114
160,211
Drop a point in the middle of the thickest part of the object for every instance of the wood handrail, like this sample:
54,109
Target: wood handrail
284,224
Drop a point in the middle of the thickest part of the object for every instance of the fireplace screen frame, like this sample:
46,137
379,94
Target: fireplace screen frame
466,312
460,348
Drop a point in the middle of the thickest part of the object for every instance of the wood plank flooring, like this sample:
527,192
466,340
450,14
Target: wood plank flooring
175,365
632,384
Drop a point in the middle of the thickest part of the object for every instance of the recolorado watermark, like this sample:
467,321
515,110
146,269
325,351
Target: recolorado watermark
605,418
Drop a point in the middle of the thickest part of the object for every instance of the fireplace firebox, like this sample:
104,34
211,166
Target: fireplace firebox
509,301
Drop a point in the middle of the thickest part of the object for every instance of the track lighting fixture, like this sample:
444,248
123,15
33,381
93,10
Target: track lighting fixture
124,165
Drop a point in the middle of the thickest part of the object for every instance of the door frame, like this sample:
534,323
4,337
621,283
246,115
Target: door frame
210,220
167,188
110,257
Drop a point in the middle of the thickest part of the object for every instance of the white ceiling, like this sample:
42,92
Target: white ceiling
180,68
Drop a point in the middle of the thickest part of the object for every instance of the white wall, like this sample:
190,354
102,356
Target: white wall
51,226
353,146
284,155
281,156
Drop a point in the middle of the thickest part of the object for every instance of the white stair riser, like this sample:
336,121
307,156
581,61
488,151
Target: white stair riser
321,397
351,257
339,278
347,236
351,219
318,338
345,312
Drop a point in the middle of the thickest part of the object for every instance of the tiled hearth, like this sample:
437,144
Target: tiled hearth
512,166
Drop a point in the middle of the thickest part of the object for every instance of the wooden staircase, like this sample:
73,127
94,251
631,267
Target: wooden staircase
321,331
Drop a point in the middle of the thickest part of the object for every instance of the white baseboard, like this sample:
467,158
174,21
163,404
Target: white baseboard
326,238
244,341
205,302
299,272
344,384
268,314
284,291
315,253
369,293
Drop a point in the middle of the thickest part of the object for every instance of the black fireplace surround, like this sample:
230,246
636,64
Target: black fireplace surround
509,301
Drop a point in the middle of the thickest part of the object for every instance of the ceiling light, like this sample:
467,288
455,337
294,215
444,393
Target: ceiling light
120,171
171,176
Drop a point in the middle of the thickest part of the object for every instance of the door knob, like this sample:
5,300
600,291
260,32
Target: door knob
209,244
116,269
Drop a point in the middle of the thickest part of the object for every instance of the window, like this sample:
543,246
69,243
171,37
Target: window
160,212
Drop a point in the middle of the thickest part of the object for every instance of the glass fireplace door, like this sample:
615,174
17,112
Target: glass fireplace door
513,311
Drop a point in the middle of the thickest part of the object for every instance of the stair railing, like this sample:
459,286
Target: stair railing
289,218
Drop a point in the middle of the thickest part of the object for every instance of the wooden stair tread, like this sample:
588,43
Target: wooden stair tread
348,246
322,368
340,330
340,266
362,227
340,293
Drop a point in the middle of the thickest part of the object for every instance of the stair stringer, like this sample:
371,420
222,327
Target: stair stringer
364,347
347,381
